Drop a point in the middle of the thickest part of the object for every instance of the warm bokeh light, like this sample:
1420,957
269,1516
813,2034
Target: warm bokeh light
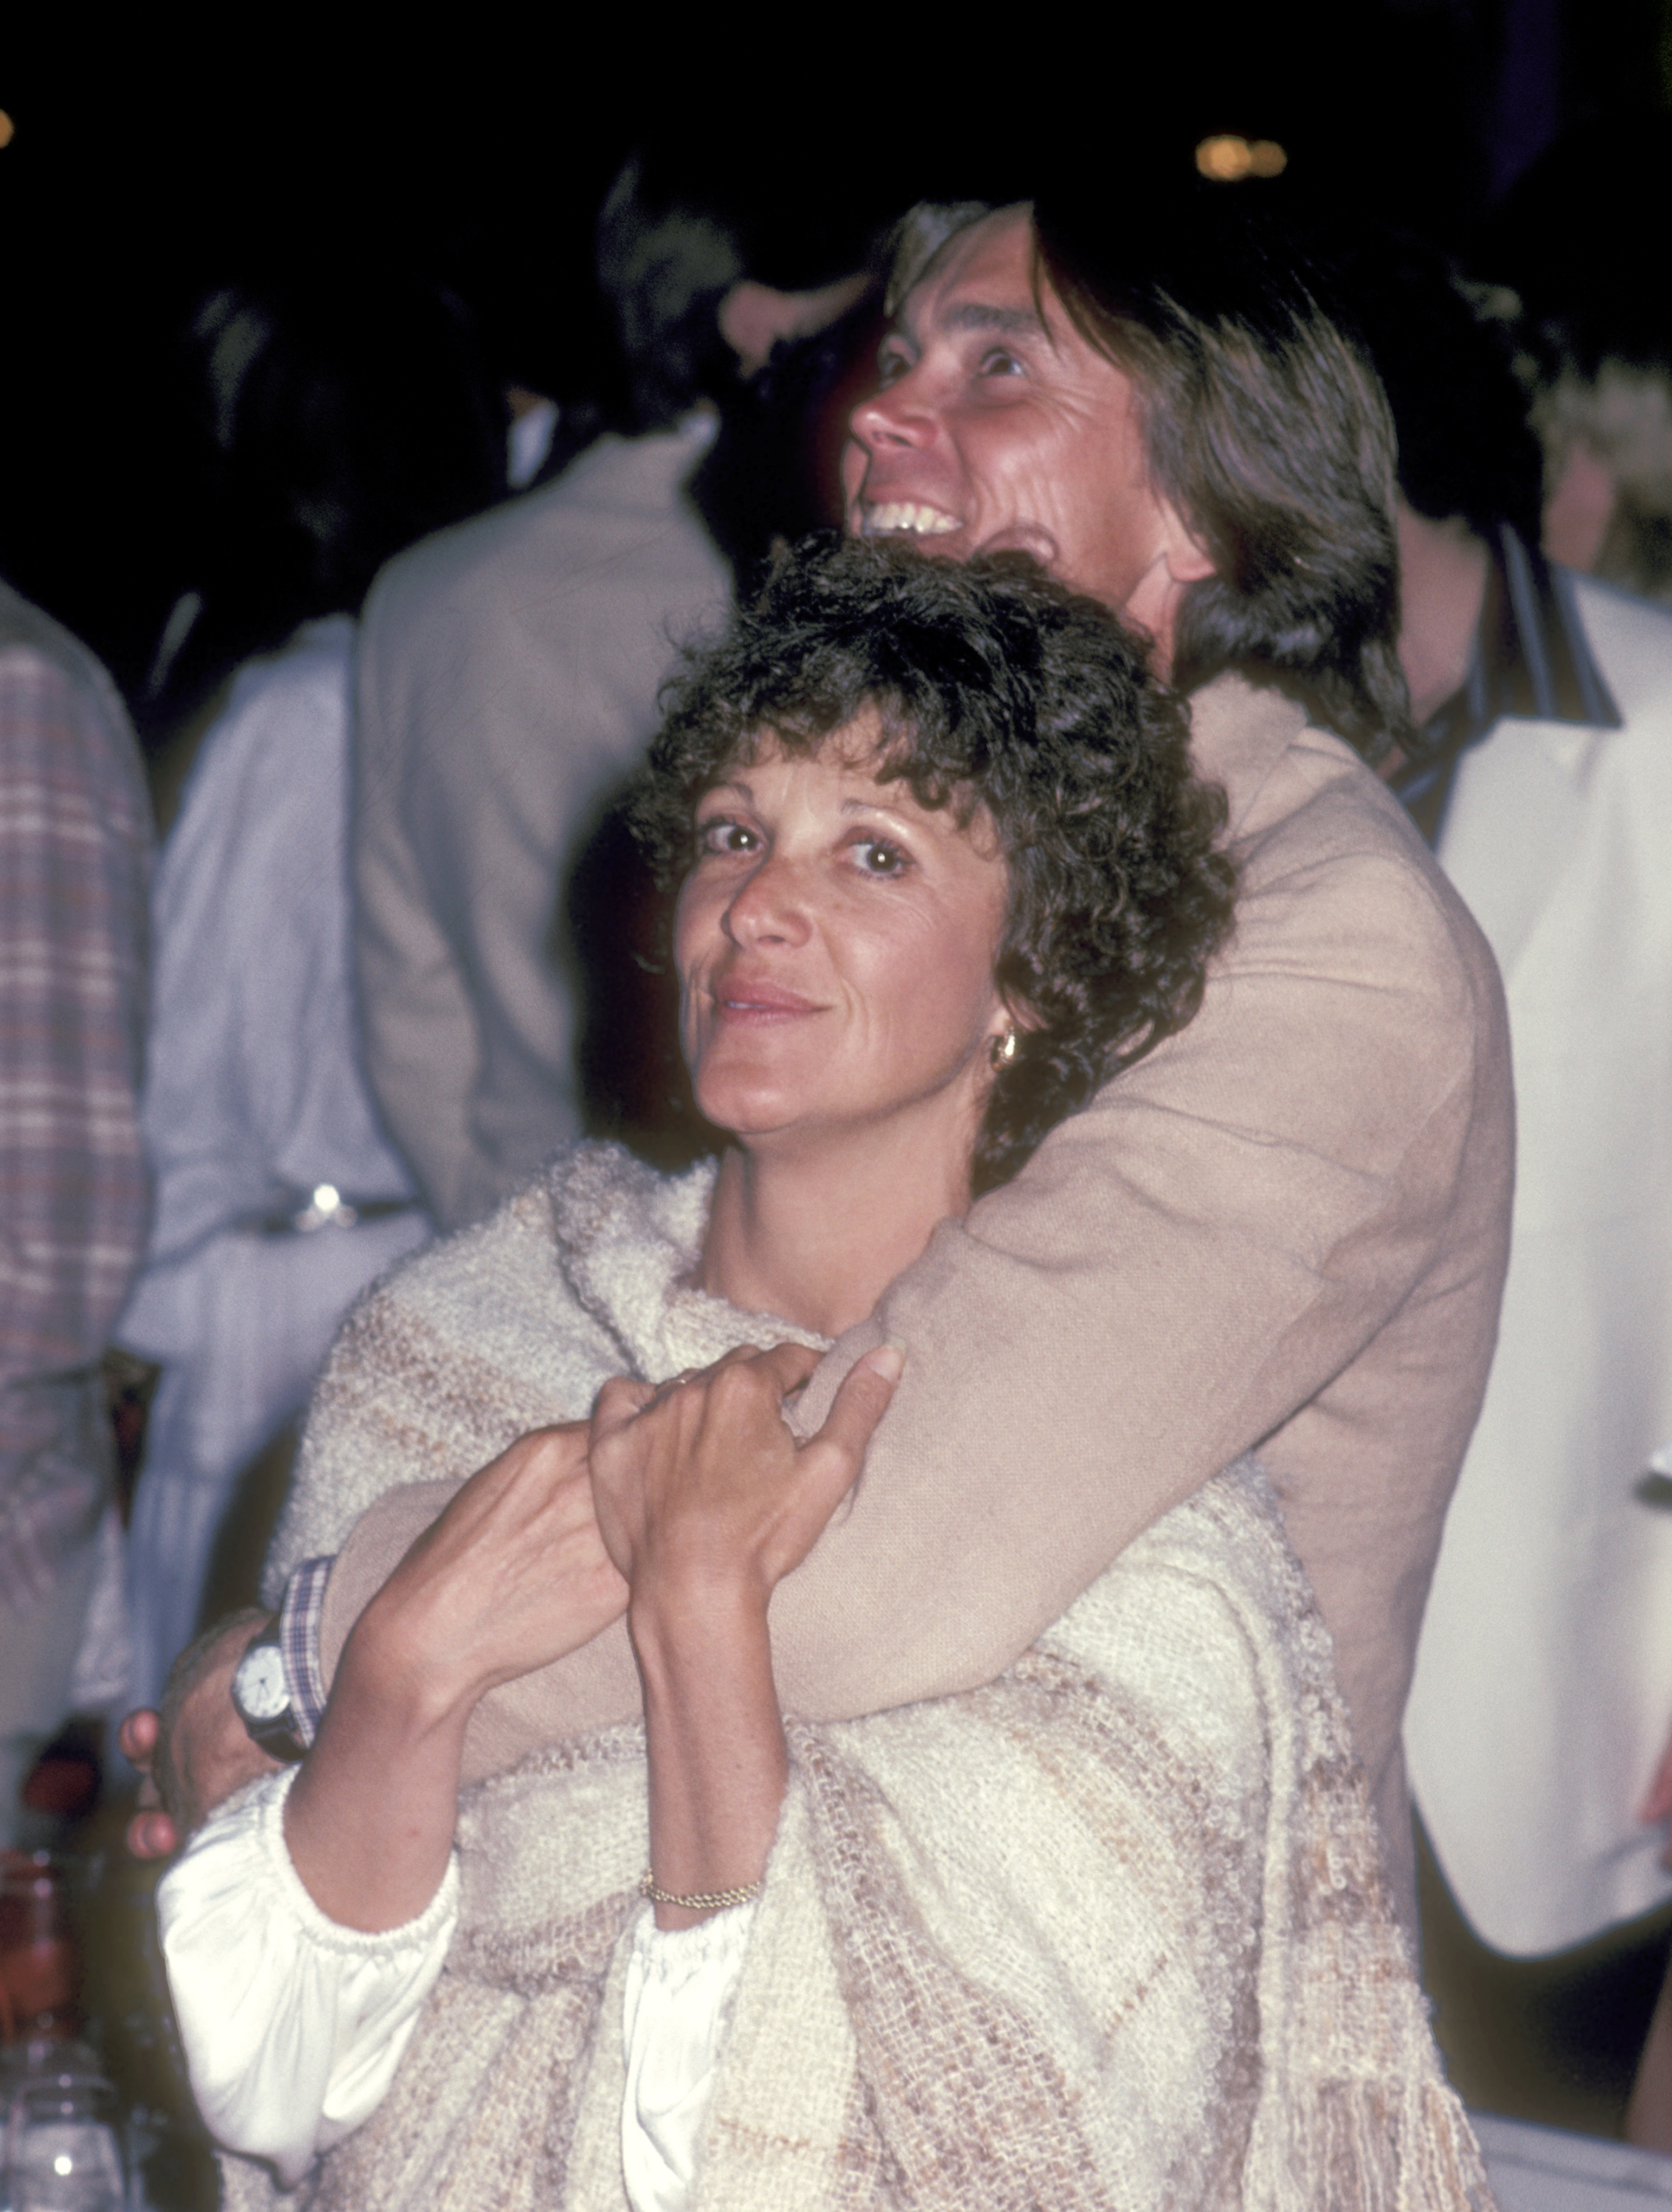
1224,159
8,128
1229,160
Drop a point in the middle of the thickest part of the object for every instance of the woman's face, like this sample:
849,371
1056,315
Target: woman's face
835,944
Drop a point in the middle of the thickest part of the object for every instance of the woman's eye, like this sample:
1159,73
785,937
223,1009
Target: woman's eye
892,367
721,835
999,361
877,857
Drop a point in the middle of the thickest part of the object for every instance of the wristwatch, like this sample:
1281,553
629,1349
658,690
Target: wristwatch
261,1697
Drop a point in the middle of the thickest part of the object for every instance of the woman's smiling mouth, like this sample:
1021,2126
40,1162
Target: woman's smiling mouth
735,1001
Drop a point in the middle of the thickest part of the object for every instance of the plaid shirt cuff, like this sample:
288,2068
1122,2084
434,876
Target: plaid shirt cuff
299,1643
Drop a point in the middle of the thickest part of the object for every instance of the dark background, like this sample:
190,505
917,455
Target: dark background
150,161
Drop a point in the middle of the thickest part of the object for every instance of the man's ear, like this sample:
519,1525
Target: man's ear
1188,559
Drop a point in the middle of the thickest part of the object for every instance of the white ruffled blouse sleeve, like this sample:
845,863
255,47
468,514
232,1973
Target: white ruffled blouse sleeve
677,2004
293,2027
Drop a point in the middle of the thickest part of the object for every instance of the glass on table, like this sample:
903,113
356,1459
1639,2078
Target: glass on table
64,2149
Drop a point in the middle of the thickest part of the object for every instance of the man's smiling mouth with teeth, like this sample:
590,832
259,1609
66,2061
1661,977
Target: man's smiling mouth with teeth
908,515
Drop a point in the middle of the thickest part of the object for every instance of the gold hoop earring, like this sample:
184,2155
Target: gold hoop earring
1002,1049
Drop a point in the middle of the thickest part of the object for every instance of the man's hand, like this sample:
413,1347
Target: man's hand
196,1751
151,1833
701,1482
513,1576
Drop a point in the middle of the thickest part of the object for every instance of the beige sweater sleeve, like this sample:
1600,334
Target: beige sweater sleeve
1185,1267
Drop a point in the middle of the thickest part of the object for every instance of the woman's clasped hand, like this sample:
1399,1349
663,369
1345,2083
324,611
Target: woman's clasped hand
701,1485
706,1501
513,1576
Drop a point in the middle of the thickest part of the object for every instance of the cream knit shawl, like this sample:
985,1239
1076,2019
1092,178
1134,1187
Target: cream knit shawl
1111,1932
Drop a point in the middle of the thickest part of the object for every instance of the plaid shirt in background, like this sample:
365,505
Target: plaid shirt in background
74,853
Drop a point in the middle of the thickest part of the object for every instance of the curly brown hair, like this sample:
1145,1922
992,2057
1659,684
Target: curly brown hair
998,690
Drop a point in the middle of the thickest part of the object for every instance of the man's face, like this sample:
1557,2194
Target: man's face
998,426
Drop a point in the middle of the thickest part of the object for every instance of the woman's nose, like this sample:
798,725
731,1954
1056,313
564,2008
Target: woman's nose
770,906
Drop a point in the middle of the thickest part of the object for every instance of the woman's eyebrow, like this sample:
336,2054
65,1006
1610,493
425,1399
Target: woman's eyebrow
877,807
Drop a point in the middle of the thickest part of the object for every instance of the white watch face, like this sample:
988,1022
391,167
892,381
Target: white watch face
258,1685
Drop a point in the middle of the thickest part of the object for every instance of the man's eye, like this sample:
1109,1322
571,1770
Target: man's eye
891,368
998,360
721,835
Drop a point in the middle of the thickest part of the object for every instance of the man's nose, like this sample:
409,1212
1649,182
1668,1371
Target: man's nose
895,415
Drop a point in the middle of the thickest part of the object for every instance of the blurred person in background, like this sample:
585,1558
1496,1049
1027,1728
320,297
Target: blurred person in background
1598,326
508,680
772,475
1604,410
343,418
75,858
1541,772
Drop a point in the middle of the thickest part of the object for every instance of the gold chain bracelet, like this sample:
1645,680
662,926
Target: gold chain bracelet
703,1900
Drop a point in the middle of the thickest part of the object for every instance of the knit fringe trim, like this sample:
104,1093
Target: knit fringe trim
1350,2149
